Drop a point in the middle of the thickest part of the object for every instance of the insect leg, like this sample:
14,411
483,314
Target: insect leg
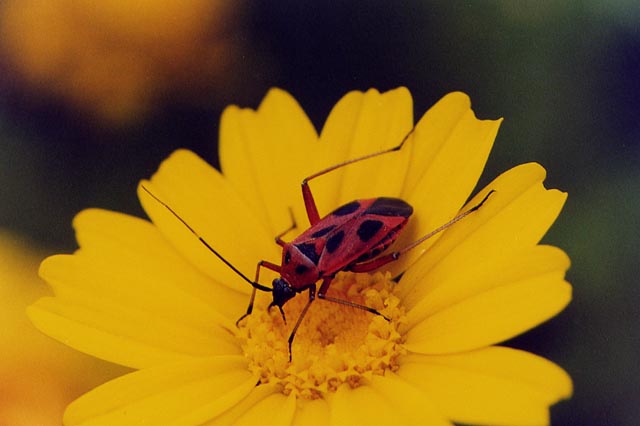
309,202
322,294
374,264
268,265
312,297
290,228
265,264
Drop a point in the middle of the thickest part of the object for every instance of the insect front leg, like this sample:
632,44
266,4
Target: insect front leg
291,227
312,297
310,203
261,264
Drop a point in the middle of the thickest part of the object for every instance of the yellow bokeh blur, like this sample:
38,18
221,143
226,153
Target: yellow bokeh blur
38,376
113,58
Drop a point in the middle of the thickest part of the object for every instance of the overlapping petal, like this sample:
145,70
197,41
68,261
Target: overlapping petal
312,413
485,271
387,400
495,385
254,397
364,123
276,409
253,144
409,399
120,335
492,316
265,155
127,297
449,150
361,405
150,273
492,304
516,216
205,200
508,286
184,393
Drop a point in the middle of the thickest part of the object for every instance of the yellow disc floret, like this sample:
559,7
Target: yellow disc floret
335,344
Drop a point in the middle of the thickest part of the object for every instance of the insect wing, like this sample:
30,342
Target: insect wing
355,231
358,239
338,218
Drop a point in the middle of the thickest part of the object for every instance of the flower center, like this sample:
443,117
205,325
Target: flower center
334,344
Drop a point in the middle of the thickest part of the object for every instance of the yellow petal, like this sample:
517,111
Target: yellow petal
231,416
408,401
516,216
450,149
312,413
367,123
265,155
485,270
276,410
498,386
185,393
124,278
361,406
388,400
204,199
126,258
335,139
492,316
433,131
123,335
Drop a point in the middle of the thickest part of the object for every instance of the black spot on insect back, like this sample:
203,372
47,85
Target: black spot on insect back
334,241
309,250
346,209
301,269
323,231
368,229
385,206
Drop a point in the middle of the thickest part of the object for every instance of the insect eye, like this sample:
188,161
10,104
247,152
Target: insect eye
287,257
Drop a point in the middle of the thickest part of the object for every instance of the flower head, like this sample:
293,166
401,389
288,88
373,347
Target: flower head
151,296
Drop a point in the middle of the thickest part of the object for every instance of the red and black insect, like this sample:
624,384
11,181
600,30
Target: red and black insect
350,238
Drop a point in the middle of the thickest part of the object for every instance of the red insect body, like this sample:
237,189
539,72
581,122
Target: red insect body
351,234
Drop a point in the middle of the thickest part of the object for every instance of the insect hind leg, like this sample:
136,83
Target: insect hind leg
373,264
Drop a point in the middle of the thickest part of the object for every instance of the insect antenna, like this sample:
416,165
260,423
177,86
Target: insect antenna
205,243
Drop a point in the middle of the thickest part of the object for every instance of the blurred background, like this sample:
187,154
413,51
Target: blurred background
94,95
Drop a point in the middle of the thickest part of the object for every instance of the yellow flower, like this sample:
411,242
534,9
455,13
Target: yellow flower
152,297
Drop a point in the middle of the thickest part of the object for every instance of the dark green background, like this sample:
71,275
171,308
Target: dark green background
564,74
